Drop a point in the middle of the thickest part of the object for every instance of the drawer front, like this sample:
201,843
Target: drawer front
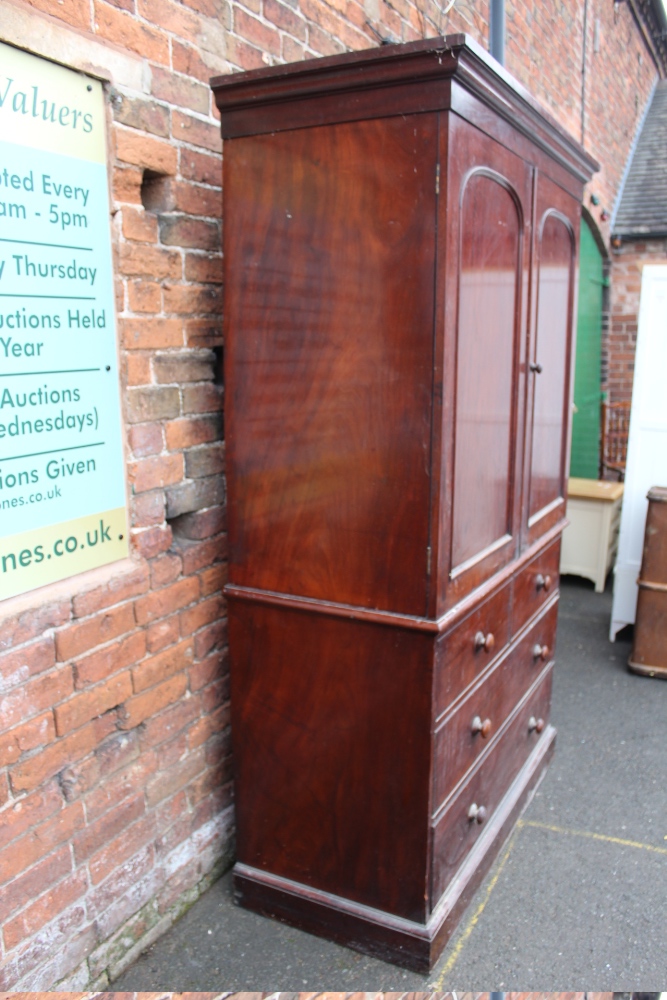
615,527
534,585
458,829
613,546
467,732
467,651
615,519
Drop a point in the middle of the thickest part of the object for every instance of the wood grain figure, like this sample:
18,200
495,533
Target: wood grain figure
400,250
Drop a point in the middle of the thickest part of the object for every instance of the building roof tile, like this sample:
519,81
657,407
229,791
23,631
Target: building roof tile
643,207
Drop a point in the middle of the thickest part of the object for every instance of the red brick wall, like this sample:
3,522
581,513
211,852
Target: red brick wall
628,262
115,775
545,50
115,794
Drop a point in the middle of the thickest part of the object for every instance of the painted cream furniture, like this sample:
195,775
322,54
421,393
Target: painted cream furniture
590,540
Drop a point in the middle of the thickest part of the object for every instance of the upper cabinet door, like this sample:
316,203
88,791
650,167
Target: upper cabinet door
550,359
329,281
488,203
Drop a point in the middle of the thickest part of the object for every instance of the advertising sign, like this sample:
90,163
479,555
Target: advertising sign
62,487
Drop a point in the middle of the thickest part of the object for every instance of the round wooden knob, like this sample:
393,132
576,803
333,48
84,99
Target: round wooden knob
477,813
540,652
485,642
543,582
479,726
535,725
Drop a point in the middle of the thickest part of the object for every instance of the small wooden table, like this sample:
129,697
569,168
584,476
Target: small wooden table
590,540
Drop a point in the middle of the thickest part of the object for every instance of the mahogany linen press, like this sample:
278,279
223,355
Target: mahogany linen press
400,246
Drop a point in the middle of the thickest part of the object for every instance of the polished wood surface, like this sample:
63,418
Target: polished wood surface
459,660
328,343
488,325
535,585
550,360
550,357
394,939
484,309
456,830
458,741
399,247
327,755
649,651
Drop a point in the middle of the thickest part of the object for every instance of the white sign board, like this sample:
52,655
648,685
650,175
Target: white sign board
646,464
62,486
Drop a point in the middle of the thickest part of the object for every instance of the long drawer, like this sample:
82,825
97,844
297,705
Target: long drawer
466,652
458,828
467,732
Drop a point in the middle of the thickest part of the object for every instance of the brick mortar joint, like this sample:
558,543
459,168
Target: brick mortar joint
222,819
83,619
102,576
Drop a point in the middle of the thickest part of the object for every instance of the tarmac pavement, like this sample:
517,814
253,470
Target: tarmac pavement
577,899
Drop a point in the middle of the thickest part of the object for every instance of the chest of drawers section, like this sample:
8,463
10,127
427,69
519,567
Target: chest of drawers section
474,723
484,739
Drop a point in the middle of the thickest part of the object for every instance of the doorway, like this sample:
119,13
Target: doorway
585,454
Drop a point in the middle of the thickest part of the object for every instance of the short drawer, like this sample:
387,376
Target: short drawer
612,550
534,585
616,512
464,735
470,647
458,829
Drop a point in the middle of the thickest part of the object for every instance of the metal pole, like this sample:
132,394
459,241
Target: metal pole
497,39
583,75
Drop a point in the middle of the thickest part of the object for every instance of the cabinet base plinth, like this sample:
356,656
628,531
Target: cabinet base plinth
646,670
393,939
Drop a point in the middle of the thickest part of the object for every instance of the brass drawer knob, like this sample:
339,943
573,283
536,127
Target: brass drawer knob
485,642
481,727
477,813
535,725
540,652
543,582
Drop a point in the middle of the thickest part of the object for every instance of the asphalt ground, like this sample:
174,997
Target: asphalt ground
577,899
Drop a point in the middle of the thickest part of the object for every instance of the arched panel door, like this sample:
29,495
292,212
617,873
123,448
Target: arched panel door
550,359
484,225
585,448
486,388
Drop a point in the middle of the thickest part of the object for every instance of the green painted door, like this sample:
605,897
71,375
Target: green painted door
586,418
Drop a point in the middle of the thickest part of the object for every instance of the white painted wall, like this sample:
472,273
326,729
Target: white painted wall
647,444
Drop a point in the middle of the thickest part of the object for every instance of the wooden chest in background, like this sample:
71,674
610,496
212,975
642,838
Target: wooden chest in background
649,651
400,244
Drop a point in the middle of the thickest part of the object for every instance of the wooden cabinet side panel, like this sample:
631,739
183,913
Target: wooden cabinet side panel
329,280
332,739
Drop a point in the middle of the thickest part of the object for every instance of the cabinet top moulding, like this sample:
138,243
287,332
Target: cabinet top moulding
393,79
